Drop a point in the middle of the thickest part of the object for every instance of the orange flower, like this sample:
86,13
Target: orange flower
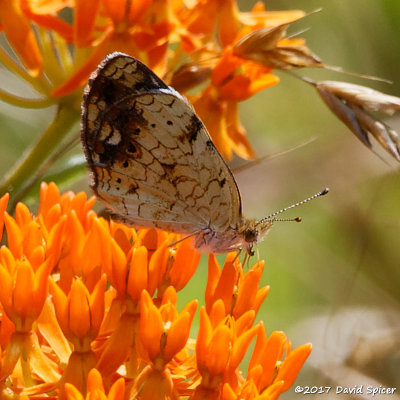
266,366
237,290
163,333
23,291
95,388
132,273
220,349
234,78
20,35
79,314
140,29
51,343
268,375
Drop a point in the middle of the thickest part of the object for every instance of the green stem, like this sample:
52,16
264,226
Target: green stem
24,102
26,172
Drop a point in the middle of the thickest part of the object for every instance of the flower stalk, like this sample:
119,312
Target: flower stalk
27,172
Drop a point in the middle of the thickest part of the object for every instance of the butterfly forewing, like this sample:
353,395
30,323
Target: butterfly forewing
151,158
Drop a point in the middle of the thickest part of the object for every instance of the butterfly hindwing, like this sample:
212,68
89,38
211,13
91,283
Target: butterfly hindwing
151,158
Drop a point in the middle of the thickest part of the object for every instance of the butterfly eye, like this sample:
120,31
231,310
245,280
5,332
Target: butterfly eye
250,235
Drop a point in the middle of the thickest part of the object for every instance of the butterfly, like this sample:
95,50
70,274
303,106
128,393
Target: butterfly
154,164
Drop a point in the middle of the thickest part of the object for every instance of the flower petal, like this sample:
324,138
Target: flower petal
20,35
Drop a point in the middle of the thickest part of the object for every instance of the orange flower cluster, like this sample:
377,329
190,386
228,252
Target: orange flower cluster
89,307
190,44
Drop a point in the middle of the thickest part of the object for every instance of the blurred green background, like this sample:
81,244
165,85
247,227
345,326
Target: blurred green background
335,277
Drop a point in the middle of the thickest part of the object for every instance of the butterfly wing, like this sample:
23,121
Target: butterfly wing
152,160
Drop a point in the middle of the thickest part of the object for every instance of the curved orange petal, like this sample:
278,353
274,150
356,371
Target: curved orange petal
20,35
47,18
212,112
201,18
151,326
14,236
217,313
116,10
138,8
32,238
273,391
237,133
245,322
260,297
228,393
96,249
78,203
50,329
78,309
169,298
261,343
241,87
56,239
177,336
37,257
226,285
95,381
248,289
271,355
185,265
52,217
60,302
117,390
179,330
228,22
157,266
117,270
3,206
40,288
50,6
49,195
203,338
96,304
225,67
6,286
23,298
218,350
85,15
138,273
22,215
7,259
240,347
292,365
72,393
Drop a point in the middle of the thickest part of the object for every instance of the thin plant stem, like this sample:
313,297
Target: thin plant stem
24,175
24,102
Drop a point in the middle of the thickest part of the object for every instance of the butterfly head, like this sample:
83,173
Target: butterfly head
253,232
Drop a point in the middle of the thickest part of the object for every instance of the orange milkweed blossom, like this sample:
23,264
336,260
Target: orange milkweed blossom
96,388
110,322
60,43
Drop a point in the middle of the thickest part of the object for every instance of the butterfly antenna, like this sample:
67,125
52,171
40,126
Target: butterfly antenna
298,219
